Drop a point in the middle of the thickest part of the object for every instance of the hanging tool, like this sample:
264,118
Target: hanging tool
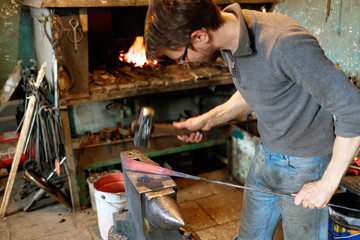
129,164
55,38
74,24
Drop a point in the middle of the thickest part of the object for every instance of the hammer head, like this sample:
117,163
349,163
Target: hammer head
144,124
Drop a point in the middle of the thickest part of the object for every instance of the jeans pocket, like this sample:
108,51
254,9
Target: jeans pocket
300,171
305,165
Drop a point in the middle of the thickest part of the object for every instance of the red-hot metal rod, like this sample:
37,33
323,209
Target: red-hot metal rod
133,165
129,164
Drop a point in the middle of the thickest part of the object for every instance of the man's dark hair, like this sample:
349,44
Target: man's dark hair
169,23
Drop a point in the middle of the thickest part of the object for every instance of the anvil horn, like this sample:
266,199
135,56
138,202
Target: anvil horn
164,213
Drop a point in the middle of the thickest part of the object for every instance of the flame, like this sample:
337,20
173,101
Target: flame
136,54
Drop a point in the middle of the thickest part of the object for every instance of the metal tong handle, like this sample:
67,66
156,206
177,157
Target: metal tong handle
265,191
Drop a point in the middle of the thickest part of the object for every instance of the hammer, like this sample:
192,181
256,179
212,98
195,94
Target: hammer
144,126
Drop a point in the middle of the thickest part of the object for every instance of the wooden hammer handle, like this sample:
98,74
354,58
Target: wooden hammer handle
164,129
168,129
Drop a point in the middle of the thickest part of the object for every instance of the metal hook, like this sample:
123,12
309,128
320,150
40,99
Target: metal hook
72,21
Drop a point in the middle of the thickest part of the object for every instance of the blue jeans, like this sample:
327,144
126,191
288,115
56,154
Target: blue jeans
261,212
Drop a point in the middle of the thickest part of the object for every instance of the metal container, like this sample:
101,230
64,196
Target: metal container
344,223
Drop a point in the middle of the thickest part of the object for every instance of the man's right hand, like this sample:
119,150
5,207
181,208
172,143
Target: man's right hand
235,107
193,124
193,137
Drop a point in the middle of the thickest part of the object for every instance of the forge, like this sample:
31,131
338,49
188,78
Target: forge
101,56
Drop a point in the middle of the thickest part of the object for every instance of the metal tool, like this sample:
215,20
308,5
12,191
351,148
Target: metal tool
145,126
41,192
48,187
74,24
129,164
20,145
152,213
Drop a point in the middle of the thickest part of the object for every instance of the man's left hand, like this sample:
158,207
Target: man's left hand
314,194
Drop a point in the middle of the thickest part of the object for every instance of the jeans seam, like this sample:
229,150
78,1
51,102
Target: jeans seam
318,222
270,218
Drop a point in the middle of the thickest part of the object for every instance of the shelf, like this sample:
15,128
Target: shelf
126,81
117,3
132,92
98,151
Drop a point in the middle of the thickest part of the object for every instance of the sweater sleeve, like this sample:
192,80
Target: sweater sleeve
298,56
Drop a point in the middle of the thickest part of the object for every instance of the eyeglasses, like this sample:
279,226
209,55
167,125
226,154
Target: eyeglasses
182,60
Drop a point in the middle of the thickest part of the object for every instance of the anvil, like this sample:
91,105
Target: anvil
153,213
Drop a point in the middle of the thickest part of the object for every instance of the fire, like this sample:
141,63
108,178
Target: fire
136,54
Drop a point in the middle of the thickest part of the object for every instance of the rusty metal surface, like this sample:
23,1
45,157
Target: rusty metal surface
144,183
150,182
351,183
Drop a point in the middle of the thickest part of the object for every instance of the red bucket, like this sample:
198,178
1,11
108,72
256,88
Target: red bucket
112,183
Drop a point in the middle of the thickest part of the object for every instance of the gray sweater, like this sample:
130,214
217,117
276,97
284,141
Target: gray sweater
295,91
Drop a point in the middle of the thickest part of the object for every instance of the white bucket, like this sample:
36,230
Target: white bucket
110,197
92,179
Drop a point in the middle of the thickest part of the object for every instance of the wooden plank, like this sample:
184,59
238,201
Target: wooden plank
11,84
21,144
118,3
77,62
246,1
70,159
33,3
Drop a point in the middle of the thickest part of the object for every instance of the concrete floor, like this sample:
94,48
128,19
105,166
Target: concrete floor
212,210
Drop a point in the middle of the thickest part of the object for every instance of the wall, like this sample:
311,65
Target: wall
339,36
15,37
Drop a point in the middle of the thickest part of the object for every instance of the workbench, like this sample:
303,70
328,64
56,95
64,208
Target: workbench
102,155
96,156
